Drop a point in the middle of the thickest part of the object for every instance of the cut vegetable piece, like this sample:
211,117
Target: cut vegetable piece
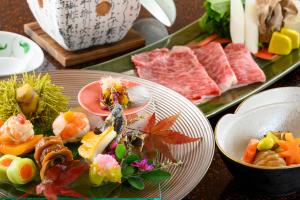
251,26
265,55
291,149
280,44
93,144
5,162
20,149
21,171
293,35
208,40
237,21
250,151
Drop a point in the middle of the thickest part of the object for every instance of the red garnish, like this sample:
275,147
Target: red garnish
160,134
21,118
222,40
59,177
208,40
265,55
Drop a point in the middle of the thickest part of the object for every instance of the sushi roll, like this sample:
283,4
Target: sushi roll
71,126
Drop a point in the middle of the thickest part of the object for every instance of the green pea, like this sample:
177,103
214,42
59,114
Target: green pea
265,144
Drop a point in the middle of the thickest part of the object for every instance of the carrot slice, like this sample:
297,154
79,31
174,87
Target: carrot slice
250,151
291,149
208,40
265,55
20,149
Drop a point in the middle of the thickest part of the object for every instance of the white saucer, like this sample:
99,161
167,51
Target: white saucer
18,54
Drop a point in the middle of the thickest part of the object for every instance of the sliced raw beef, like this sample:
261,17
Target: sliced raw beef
245,68
213,58
177,69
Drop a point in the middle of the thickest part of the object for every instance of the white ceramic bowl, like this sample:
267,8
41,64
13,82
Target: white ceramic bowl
272,96
233,133
18,54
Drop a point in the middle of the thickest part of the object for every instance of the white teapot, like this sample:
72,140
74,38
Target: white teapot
79,24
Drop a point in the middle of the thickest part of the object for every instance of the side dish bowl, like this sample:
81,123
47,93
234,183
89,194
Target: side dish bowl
233,133
276,95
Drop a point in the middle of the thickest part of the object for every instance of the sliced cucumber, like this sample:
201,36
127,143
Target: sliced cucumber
5,162
21,171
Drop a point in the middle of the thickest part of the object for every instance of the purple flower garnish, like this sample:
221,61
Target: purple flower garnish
143,165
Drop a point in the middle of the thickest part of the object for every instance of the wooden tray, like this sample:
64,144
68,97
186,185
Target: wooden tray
68,58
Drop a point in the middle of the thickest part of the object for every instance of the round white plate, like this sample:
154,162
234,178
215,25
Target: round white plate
272,96
18,54
196,156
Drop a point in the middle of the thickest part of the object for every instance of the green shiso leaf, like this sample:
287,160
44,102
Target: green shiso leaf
131,158
127,171
136,182
120,151
156,176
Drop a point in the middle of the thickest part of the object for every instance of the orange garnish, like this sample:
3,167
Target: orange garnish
20,149
68,132
291,149
6,162
26,172
69,116
250,151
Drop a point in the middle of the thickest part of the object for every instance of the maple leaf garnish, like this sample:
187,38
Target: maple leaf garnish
59,177
159,135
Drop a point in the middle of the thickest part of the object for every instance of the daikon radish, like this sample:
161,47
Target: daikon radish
237,21
251,26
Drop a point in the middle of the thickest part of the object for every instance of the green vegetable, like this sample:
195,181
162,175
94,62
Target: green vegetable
266,143
136,182
217,17
21,171
120,151
5,162
25,46
156,176
131,158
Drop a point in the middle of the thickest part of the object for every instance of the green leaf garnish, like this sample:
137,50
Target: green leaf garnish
131,158
2,47
25,46
120,151
127,171
156,176
136,182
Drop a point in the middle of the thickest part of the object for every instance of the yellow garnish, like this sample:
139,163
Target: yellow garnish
293,35
93,144
280,44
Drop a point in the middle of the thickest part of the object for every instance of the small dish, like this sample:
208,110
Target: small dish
89,98
272,96
18,54
233,133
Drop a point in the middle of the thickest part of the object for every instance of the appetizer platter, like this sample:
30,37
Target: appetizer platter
51,146
235,49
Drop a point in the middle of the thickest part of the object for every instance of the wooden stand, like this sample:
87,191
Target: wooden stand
68,58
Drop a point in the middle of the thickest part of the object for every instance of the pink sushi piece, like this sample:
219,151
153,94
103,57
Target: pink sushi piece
213,58
178,69
245,68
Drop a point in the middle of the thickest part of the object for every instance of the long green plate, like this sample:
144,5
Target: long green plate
274,70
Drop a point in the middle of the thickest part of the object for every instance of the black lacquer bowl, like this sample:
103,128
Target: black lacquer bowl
233,133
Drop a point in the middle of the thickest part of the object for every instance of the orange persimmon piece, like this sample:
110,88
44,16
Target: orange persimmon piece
20,149
291,149
250,151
